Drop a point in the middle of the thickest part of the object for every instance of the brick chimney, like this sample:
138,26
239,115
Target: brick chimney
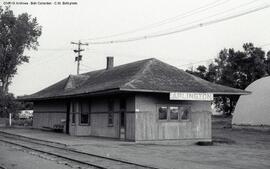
109,62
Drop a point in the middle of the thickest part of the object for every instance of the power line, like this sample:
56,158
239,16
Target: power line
184,29
201,61
168,20
211,16
49,58
86,66
266,44
53,49
211,59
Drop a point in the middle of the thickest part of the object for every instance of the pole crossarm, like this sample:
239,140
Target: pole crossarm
78,58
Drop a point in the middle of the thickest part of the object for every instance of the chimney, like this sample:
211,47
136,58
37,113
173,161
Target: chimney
109,62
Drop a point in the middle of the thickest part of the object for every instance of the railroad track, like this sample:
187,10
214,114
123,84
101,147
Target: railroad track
62,151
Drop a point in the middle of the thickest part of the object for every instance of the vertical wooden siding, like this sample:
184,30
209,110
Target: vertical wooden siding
99,119
48,113
148,127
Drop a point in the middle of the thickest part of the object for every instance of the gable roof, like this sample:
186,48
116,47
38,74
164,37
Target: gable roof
150,75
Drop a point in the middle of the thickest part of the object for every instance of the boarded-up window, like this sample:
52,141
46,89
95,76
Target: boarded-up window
84,118
174,112
110,112
162,113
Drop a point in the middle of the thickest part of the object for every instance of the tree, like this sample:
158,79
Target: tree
268,62
235,69
240,68
16,35
200,71
8,105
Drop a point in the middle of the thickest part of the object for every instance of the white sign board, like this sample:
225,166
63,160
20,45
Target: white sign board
191,96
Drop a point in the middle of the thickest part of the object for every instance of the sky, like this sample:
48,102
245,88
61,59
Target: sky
88,20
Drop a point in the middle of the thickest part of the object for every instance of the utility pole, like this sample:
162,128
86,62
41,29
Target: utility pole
79,57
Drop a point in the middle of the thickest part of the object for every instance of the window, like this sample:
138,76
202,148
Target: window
110,119
174,113
185,113
110,112
85,108
73,118
162,113
73,110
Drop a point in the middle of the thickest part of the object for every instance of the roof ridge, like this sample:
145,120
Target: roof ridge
139,73
104,69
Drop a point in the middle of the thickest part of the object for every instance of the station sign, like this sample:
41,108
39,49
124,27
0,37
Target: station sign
191,96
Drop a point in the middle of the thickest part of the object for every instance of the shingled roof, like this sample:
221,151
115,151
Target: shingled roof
150,75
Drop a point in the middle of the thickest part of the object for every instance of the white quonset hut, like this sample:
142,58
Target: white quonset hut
254,109
143,101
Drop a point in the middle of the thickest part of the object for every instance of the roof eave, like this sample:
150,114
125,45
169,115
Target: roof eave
122,90
232,93
166,91
70,96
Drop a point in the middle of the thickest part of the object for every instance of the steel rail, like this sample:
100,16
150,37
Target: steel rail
47,143
53,154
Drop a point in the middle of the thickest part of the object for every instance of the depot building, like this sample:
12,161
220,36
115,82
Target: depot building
142,101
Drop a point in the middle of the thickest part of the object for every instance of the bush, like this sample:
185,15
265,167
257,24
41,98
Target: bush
22,122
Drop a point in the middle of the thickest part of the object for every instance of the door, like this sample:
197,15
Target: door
122,125
122,119
67,117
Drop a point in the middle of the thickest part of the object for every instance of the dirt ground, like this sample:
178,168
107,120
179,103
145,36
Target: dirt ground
12,157
232,148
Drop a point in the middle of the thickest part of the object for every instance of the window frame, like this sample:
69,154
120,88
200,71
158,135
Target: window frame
188,115
180,109
110,113
87,113
73,113
159,113
178,113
